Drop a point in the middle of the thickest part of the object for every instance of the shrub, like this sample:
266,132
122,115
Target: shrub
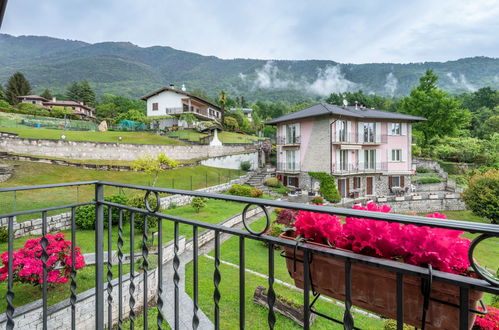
281,190
420,169
427,180
198,203
138,202
489,321
172,206
240,190
317,200
85,215
286,217
482,195
276,229
327,186
245,166
4,234
392,325
27,261
256,193
272,182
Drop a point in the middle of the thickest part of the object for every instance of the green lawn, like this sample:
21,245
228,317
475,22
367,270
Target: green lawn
225,136
27,173
109,136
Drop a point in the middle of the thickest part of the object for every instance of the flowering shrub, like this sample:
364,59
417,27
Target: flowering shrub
27,261
490,321
444,249
286,217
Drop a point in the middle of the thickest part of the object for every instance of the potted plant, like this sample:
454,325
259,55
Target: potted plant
374,289
416,196
381,199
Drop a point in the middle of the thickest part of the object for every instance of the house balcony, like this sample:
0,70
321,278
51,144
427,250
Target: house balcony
288,141
359,168
201,113
288,167
181,273
350,138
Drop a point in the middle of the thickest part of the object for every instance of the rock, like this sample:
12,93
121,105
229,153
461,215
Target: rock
103,126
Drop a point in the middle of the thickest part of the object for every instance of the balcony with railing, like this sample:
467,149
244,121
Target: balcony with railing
359,168
288,167
154,292
203,112
351,138
288,140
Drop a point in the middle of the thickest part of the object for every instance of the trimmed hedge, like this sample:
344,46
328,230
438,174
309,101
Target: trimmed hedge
246,191
85,215
327,186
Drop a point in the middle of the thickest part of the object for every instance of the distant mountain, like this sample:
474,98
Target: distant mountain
125,69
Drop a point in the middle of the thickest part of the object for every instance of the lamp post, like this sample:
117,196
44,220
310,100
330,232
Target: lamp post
119,139
63,137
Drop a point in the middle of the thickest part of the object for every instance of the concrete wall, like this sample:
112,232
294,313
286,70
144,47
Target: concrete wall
111,151
233,161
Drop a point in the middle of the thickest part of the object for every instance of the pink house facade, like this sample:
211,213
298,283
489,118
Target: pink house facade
368,151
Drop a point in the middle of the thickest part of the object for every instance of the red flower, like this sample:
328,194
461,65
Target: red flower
490,321
27,262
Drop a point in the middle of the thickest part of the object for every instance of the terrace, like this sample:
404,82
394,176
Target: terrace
118,301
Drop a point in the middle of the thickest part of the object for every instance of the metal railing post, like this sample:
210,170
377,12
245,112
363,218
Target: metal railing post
99,256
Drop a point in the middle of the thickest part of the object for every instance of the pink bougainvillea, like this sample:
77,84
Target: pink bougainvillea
490,321
28,266
444,249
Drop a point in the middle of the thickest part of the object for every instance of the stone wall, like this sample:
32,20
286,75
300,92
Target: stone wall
112,151
6,172
424,202
233,161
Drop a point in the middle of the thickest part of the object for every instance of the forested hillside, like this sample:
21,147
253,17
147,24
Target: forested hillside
122,68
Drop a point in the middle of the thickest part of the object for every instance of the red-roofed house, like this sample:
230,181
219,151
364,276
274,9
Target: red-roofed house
79,108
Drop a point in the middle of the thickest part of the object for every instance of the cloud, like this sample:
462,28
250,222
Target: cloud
329,80
462,81
391,84
450,75
242,76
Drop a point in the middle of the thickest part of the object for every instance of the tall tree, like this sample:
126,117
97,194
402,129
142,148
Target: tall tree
443,114
2,93
74,91
222,99
46,94
16,86
81,92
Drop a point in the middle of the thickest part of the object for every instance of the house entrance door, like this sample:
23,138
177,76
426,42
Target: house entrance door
369,185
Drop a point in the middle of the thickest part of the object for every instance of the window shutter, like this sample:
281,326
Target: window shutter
403,154
402,181
337,124
337,161
390,156
389,128
297,159
378,132
390,182
377,160
298,131
360,132
361,158
348,187
403,128
349,131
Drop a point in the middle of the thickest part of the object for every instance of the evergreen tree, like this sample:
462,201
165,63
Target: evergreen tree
2,93
16,86
46,94
81,92
74,91
443,114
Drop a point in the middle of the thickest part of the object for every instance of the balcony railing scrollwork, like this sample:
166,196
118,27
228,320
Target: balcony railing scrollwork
485,282
282,140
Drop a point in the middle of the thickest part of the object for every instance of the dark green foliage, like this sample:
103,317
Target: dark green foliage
46,94
16,86
4,234
482,195
245,166
240,190
85,215
327,186
317,200
198,203
467,150
420,169
426,180
81,92
138,202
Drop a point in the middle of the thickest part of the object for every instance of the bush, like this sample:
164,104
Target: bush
276,229
198,203
281,190
392,325
272,182
420,169
426,180
317,200
138,202
256,193
85,215
240,190
4,234
286,217
328,186
245,166
482,195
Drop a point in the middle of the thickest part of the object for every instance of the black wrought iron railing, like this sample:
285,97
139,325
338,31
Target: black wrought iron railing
105,307
288,140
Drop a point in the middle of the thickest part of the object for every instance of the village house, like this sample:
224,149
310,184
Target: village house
368,151
79,108
170,104
246,111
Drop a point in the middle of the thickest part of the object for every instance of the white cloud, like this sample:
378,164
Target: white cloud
450,75
462,81
330,80
391,84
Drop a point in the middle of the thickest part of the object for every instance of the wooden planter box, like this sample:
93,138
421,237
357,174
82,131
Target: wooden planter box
374,289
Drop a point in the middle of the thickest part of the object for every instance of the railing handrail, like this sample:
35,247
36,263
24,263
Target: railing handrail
472,227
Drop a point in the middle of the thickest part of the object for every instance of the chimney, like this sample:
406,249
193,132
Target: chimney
172,86
54,99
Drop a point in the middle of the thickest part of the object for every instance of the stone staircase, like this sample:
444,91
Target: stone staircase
256,180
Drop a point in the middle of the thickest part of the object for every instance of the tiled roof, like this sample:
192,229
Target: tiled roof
32,97
164,89
325,109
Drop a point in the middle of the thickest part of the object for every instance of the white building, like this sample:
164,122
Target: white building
173,103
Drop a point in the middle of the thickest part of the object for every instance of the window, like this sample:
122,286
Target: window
34,102
356,182
395,181
292,133
291,160
396,155
369,132
293,181
342,130
343,160
155,106
395,129
370,159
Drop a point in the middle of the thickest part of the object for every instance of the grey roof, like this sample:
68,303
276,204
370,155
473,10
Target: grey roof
325,109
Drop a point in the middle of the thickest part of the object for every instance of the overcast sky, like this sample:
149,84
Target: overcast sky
350,31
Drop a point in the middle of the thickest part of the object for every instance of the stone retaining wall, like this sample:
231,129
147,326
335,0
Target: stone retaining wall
112,151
